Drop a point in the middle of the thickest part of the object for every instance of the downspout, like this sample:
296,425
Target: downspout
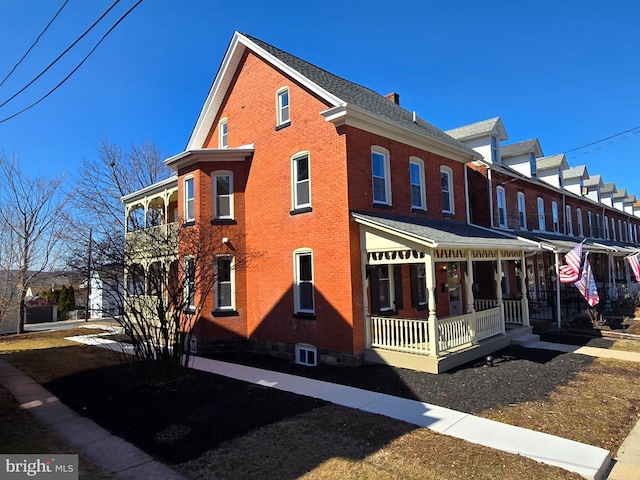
490,196
466,193
564,214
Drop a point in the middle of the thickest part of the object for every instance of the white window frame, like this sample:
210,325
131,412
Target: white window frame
189,283
231,282
495,149
522,211
449,174
555,219
598,226
613,229
223,133
580,223
298,282
626,232
189,213
419,164
383,154
607,232
590,223
216,196
502,207
620,229
542,224
387,283
567,213
533,165
283,115
295,183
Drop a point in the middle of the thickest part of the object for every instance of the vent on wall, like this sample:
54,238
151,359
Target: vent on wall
306,354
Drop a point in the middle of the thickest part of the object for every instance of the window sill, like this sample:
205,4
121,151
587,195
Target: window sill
190,223
387,313
282,125
448,215
223,221
298,211
305,316
419,211
225,313
383,206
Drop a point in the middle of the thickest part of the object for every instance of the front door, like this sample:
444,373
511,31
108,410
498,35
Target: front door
454,289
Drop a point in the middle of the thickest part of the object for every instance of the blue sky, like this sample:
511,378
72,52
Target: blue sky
566,72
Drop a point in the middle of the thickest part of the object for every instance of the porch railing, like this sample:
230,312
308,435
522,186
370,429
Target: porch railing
412,335
512,309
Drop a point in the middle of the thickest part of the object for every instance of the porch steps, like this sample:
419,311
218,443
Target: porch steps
525,340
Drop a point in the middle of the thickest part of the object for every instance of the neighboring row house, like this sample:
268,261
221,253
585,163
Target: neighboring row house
378,237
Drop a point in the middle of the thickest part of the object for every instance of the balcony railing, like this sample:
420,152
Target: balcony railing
512,309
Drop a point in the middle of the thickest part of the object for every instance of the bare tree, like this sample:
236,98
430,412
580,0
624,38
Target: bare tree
31,222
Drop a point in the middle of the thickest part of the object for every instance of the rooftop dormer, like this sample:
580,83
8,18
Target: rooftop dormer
636,208
628,203
550,169
522,156
607,191
574,178
484,137
592,188
619,198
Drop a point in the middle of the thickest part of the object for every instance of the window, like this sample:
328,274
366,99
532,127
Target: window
541,221
613,229
567,214
494,150
283,106
225,283
522,212
385,281
626,232
620,229
222,195
502,209
416,171
446,185
560,177
381,176
155,280
554,216
190,284
419,297
135,280
189,200
590,223
301,181
607,233
598,226
223,133
304,292
579,219
533,165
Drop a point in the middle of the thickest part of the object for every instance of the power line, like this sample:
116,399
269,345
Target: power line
77,67
34,43
631,131
61,55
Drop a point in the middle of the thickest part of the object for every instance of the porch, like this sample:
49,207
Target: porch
437,345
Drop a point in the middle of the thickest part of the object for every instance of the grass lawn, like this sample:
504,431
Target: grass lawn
212,427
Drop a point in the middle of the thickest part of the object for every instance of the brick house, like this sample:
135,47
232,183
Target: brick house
357,212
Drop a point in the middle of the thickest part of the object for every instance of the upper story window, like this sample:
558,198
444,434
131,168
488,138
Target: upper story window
418,194
446,185
555,218
303,282
590,223
598,226
190,283
560,178
301,181
222,195
189,200
620,230
569,220
607,233
223,133
282,99
533,165
541,221
626,232
522,212
579,220
381,176
502,208
224,292
494,149
613,229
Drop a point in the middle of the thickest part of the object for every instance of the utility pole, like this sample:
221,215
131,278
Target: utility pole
86,310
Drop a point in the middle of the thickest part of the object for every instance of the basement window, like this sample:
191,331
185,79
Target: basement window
306,354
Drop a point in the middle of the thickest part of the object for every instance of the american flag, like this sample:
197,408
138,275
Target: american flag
635,266
570,271
587,285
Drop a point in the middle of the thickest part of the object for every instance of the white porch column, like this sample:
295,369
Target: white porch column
525,289
365,300
468,283
430,280
557,281
499,280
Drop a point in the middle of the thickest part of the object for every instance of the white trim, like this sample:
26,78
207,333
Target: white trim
189,157
542,222
279,107
223,133
294,179
297,282
232,283
214,190
501,198
522,214
187,217
386,160
452,204
423,186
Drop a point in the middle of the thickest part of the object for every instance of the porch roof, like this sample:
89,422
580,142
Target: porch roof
443,233
563,243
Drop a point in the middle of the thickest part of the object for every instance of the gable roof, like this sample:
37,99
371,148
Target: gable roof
575,172
478,129
521,148
595,181
609,187
552,161
333,90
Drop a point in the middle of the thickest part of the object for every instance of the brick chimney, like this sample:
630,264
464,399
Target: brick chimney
394,97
